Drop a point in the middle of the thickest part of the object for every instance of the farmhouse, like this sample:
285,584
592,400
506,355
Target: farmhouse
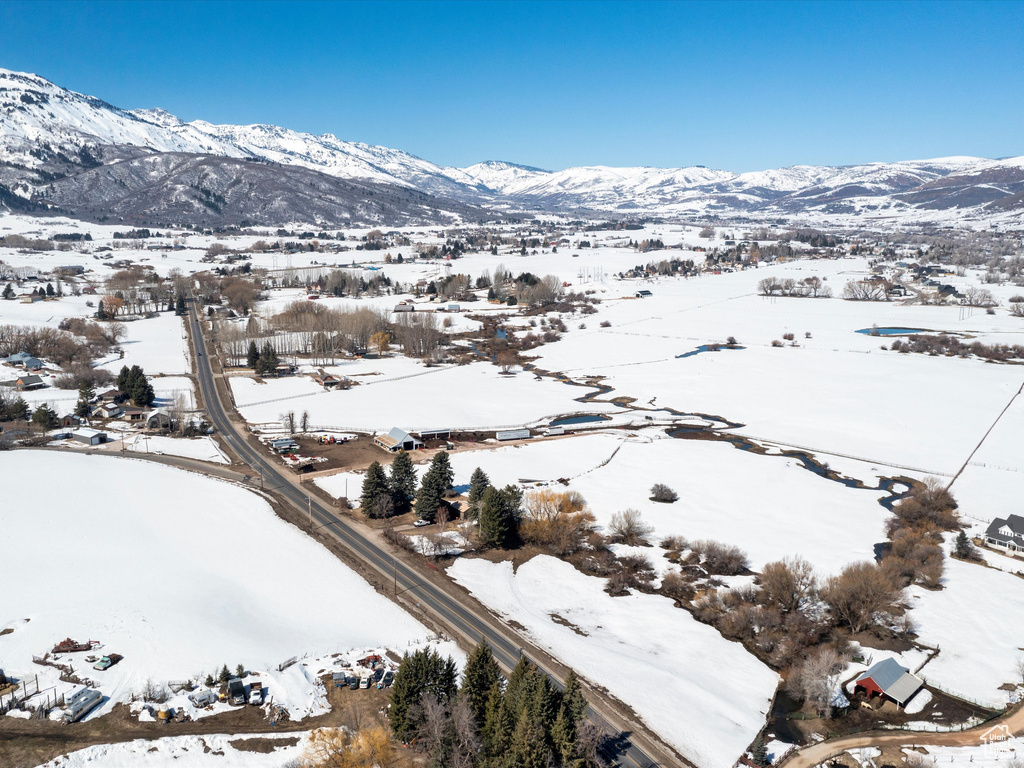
158,419
1006,534
107,411
397,440
24,360
889,681
29,381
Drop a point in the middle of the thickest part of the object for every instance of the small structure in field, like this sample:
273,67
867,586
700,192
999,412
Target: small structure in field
889,681
644,294
397,440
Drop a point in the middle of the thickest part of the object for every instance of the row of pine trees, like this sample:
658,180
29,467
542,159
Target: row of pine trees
486,722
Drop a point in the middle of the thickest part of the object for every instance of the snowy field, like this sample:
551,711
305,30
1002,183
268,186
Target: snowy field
769,506
158,344
975,621
673,679
210,751
202,448
462,397
178,573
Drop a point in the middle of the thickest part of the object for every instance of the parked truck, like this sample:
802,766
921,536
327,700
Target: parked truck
106,662
81,703
256,694
236,691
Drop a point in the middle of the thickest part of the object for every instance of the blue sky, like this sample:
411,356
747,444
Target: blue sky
738,86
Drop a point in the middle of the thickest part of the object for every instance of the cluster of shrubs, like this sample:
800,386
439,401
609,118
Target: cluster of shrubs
943,344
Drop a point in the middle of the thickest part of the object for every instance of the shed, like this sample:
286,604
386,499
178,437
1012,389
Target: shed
889,680
643,294
397,440
435,434
89,436
133,415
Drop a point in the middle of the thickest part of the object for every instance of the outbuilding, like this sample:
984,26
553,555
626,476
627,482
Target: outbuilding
29,381
89,436
512,434
888,680
397,440
643,294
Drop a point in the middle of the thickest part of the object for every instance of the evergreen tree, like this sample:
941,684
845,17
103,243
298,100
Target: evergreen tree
565,729
49,290
141,392
499,516
478,678
101,312
518,684
45,417
424,672
9,292
529,747
224,674
964,549
122,378
268,361
253,357
179,305
478,483
759,753
402,482
496,732
374,485
85,395
436,482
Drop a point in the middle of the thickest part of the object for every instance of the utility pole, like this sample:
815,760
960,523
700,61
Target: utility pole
395,564
309,501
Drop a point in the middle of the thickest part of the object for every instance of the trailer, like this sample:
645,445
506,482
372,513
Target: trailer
512,434
80,704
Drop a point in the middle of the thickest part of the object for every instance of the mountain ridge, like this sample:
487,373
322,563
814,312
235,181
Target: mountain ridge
48,132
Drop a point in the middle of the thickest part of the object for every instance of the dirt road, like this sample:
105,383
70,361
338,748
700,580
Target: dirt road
808,757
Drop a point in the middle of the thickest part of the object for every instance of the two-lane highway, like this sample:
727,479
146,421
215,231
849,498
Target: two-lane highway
463,620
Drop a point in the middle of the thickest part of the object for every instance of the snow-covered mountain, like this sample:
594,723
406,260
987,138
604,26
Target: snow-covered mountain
48,133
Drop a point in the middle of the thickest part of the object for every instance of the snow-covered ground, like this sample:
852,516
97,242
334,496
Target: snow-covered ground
975,621
178,573
202,448
158,344
705,695
213,751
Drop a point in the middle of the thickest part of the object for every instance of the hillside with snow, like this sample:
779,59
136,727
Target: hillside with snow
49,135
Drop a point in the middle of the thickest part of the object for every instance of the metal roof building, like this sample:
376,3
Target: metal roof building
887,678
397,440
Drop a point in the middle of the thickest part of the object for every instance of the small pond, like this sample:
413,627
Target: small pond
893,331
584,419
708,348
